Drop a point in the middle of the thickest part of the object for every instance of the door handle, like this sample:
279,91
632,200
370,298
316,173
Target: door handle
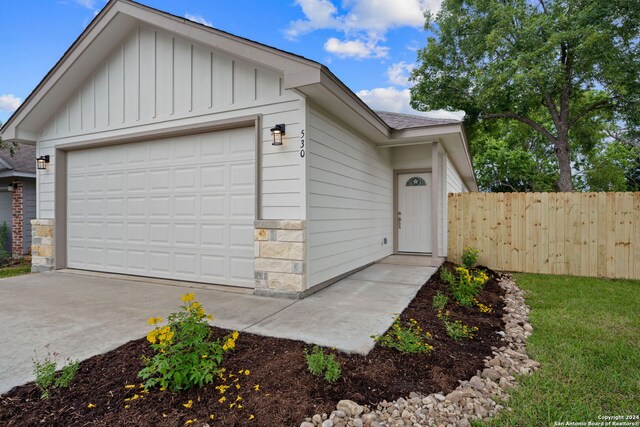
399,220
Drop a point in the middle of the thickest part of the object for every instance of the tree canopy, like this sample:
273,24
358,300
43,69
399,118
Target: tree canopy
561,75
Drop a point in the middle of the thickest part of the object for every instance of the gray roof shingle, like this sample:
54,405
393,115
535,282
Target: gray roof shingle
23,160
407,121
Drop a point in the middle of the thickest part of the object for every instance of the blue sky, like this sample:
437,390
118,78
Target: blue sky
370,45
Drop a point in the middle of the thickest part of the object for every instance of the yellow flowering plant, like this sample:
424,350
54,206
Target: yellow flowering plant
185,355
456,329
464,284
407,338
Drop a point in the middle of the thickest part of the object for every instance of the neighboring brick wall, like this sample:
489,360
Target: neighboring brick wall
280,247
17,215
42,241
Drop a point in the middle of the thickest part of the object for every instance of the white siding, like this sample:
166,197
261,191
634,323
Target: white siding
350,200
411,157
155,80
29,211
452,184
442,205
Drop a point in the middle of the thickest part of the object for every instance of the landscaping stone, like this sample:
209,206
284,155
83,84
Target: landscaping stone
474,398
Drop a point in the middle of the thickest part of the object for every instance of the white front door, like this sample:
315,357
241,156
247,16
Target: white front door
414,212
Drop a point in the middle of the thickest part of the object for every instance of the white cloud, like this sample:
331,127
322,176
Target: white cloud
9,103
358,49
89,4
319,13
397,101
371,16
364,24
380,15
198,18
398,73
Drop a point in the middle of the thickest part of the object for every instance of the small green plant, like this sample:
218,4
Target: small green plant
45,373
456,329
440,300
464,284
470,257
185,355
323,365
4,238
407,338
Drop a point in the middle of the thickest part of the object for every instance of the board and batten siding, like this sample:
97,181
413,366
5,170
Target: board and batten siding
156,80
350,200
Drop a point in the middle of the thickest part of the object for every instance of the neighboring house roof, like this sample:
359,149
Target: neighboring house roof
21,164
407,121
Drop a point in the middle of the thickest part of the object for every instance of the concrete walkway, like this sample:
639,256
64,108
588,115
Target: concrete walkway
81,315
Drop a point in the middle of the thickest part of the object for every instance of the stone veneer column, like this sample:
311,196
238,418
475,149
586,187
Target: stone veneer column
16,217
280,248
42,242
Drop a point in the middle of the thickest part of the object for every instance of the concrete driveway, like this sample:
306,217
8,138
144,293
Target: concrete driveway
81,315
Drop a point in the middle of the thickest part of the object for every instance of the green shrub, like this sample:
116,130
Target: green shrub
470,257
440,300
185,355
408,338
323,365
46,377
456,329
4,239
464,284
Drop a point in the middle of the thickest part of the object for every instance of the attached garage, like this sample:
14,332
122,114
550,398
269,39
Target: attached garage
176,208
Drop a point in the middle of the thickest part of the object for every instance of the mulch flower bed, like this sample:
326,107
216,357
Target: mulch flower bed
267,378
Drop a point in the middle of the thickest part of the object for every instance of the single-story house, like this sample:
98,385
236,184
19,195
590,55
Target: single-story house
17,198
175,150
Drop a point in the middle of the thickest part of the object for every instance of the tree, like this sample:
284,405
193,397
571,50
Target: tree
509,156
555,66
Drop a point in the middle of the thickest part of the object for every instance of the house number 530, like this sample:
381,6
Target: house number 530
302,152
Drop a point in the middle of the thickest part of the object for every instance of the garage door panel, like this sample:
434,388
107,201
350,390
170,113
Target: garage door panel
114,232
179,208
160,180
160,262
186,207
185,179
160,207
242,206
242,175
212,177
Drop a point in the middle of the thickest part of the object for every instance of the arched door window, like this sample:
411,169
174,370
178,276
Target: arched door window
415,181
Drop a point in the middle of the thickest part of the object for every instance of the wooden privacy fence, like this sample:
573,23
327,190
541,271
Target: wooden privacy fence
580,234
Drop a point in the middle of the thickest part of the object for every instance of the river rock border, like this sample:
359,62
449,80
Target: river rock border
472,399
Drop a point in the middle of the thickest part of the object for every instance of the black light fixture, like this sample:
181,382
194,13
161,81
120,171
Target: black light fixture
277,133
41,162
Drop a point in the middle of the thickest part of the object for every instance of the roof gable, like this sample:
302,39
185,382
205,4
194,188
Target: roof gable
105,33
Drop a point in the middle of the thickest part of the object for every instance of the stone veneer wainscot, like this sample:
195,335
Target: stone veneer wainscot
280,247
42,241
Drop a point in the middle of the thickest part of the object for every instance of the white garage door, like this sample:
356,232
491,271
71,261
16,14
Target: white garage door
178,208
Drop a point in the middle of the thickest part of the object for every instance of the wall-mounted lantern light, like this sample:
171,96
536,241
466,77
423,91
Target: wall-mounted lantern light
41,162
277,133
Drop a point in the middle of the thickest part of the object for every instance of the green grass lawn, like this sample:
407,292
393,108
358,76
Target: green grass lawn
587,340
14,271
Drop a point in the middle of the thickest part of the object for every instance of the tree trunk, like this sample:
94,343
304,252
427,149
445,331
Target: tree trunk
562,153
